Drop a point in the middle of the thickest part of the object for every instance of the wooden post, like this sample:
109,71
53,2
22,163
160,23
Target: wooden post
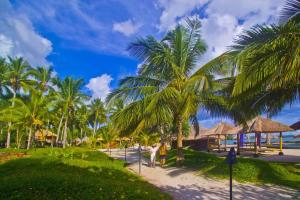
225,142
208,143
280,144
255,146
238,144
219,143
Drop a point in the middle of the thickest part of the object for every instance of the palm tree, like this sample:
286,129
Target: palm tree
29,111
69,97
82,115
266,59
98,114
43,77
166,83
17,78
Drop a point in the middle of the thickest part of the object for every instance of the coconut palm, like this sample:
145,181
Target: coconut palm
265,60
17,78
166,83
43,77
98,114
69,97
29,111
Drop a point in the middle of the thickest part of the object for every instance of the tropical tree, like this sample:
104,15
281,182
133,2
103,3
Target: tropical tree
43,78
70,98
29,111
98,114
266,61
166,84
82,117
17,78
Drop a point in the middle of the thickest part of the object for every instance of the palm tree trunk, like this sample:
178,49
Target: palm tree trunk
180,156
9,124
65,133
80,133
17,138
59,127
94,131
29,138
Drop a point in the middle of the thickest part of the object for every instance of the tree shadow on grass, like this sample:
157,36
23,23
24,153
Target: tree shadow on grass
194,192
37,178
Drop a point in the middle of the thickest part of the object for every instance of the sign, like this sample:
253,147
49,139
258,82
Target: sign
231,157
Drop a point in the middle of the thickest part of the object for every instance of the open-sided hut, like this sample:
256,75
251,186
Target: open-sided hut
265,125
221,129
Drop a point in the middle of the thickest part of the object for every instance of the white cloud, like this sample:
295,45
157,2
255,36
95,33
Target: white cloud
222,21
174,9
127,27
19,38
100,86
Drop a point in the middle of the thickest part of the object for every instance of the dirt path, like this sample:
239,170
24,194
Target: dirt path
184,184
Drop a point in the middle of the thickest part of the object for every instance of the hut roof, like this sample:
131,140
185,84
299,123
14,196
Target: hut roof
220,129
295,126
265,125
192,134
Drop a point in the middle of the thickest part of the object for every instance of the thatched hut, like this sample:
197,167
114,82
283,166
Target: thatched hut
264,125
220,130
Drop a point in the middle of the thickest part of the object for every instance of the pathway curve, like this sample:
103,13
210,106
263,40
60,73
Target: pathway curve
184,184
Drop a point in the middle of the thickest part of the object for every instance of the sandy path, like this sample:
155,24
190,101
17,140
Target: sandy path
184,184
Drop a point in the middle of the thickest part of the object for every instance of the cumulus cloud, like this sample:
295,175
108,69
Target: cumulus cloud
174,9
127,27
19,38
222,20
100,86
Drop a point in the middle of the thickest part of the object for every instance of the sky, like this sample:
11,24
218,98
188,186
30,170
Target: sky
88,38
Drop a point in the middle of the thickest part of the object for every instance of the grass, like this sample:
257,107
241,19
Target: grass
74,173
245,170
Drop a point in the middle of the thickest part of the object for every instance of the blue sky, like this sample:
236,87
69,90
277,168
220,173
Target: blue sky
88,38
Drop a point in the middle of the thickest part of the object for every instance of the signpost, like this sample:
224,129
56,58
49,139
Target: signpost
231,159
125,153
140,159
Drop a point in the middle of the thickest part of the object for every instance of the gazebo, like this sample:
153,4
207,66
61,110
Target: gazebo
218,130
264,125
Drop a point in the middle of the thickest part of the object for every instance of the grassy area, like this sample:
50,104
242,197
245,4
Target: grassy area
245,170
71,174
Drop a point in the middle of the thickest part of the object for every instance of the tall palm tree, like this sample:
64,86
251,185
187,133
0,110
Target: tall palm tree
98,114
17,78
166,82
70,97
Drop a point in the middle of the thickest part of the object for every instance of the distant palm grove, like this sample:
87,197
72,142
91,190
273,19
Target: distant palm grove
259,74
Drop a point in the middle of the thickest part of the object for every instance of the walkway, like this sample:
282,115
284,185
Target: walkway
184,184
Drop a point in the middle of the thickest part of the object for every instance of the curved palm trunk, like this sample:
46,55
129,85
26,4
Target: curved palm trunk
65,133
180,155
29,138
59,127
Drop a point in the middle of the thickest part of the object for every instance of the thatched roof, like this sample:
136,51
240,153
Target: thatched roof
295,126
220,129
44,133
193,135
265,125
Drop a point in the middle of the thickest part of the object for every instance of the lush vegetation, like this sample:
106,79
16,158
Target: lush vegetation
259,74
245,170
74,173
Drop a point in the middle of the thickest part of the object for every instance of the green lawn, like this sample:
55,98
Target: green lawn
245,170
71,174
